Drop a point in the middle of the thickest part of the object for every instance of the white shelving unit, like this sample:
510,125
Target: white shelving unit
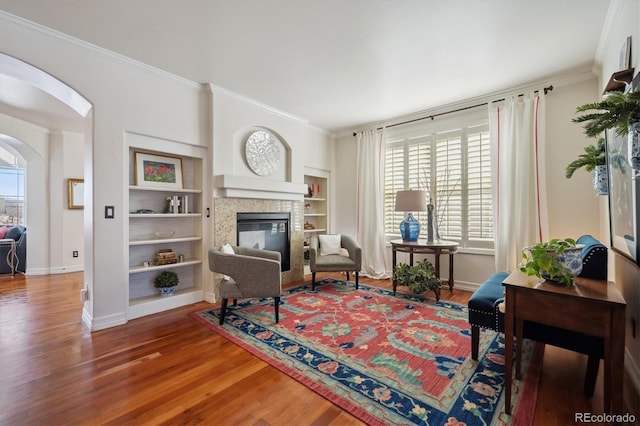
315,206
154,229
316,220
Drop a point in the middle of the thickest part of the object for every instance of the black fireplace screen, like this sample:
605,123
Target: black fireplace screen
267,231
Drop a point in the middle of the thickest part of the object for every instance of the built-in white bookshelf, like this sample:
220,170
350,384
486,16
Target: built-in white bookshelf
316,206
154,226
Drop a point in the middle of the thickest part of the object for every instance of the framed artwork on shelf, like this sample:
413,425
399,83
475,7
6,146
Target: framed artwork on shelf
624,198
76,193
158,171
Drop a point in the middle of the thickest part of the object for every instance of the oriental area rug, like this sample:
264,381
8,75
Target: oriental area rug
386,359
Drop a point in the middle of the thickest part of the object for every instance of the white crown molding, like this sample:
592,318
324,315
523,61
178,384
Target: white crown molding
26,25
565,79
23,24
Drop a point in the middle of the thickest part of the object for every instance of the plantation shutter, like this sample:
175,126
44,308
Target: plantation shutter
448,177
394,179
418,168
479,210
453,164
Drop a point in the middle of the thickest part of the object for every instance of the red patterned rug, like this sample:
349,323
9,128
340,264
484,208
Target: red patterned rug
386,359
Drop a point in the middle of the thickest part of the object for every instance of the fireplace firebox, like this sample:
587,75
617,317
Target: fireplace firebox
267,231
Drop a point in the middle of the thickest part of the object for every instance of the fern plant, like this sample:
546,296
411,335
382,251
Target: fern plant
617,110
419,277
594,155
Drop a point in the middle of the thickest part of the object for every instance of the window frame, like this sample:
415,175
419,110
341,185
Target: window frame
458,124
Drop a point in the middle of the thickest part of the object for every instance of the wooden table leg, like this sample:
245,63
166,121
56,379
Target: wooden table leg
519,325
393,269
451,272
508,347
614,366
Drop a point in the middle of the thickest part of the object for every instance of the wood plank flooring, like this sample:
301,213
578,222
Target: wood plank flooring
168,369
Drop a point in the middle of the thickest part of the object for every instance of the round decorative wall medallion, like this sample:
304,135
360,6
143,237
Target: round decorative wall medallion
262,153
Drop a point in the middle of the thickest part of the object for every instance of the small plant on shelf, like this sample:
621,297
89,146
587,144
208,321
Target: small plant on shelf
419,277
166,282
556,260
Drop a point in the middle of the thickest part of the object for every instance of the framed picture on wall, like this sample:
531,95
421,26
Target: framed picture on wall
76,193
158,171
624,198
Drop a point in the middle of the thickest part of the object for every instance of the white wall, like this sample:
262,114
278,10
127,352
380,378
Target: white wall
564,142
233,120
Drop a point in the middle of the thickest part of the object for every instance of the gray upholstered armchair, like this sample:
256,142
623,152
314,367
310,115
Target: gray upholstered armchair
343,257
247,272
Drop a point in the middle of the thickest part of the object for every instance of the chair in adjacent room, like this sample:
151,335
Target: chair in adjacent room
246,273
334,253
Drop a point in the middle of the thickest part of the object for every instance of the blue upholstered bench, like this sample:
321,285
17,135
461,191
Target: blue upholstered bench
484,313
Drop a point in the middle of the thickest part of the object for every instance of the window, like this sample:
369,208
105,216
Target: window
453,163
11,196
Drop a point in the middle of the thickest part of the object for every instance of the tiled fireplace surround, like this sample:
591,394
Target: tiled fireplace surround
225,210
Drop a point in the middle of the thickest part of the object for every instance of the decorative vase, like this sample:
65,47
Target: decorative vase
430,223
167,291
571,260
634,147
410,228
601,180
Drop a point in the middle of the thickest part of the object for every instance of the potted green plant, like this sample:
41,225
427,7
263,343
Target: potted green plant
593,160
555,260
166,282
419,277
617,110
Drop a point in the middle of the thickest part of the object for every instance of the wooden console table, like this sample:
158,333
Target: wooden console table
592,307
423,247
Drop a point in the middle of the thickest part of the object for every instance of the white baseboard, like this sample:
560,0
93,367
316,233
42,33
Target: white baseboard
56,270
210,297
108,321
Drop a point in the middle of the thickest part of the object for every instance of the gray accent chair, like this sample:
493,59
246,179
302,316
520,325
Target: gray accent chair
335,262
247,273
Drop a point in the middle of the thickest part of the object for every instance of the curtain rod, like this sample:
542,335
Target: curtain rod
432,116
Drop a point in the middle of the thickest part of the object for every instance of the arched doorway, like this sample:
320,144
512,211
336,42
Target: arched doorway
40,117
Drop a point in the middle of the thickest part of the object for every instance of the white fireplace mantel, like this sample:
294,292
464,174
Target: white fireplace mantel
259,188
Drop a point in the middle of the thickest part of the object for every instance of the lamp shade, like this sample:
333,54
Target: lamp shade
411,201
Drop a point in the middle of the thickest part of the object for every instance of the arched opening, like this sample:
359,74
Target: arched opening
44,126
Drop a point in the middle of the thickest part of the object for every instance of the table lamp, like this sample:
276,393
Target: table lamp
410,201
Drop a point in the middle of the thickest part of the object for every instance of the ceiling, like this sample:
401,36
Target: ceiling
338,64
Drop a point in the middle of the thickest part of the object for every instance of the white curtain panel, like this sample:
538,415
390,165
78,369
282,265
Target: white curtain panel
517,127
370,203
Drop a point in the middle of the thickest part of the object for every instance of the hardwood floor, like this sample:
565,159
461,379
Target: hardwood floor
168,369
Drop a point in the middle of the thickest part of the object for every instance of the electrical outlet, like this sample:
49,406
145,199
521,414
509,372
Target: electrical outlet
84,295
75,253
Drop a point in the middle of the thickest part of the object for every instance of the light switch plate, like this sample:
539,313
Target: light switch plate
109,212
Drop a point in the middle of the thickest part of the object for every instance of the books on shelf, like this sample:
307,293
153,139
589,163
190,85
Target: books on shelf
177,204
166,257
